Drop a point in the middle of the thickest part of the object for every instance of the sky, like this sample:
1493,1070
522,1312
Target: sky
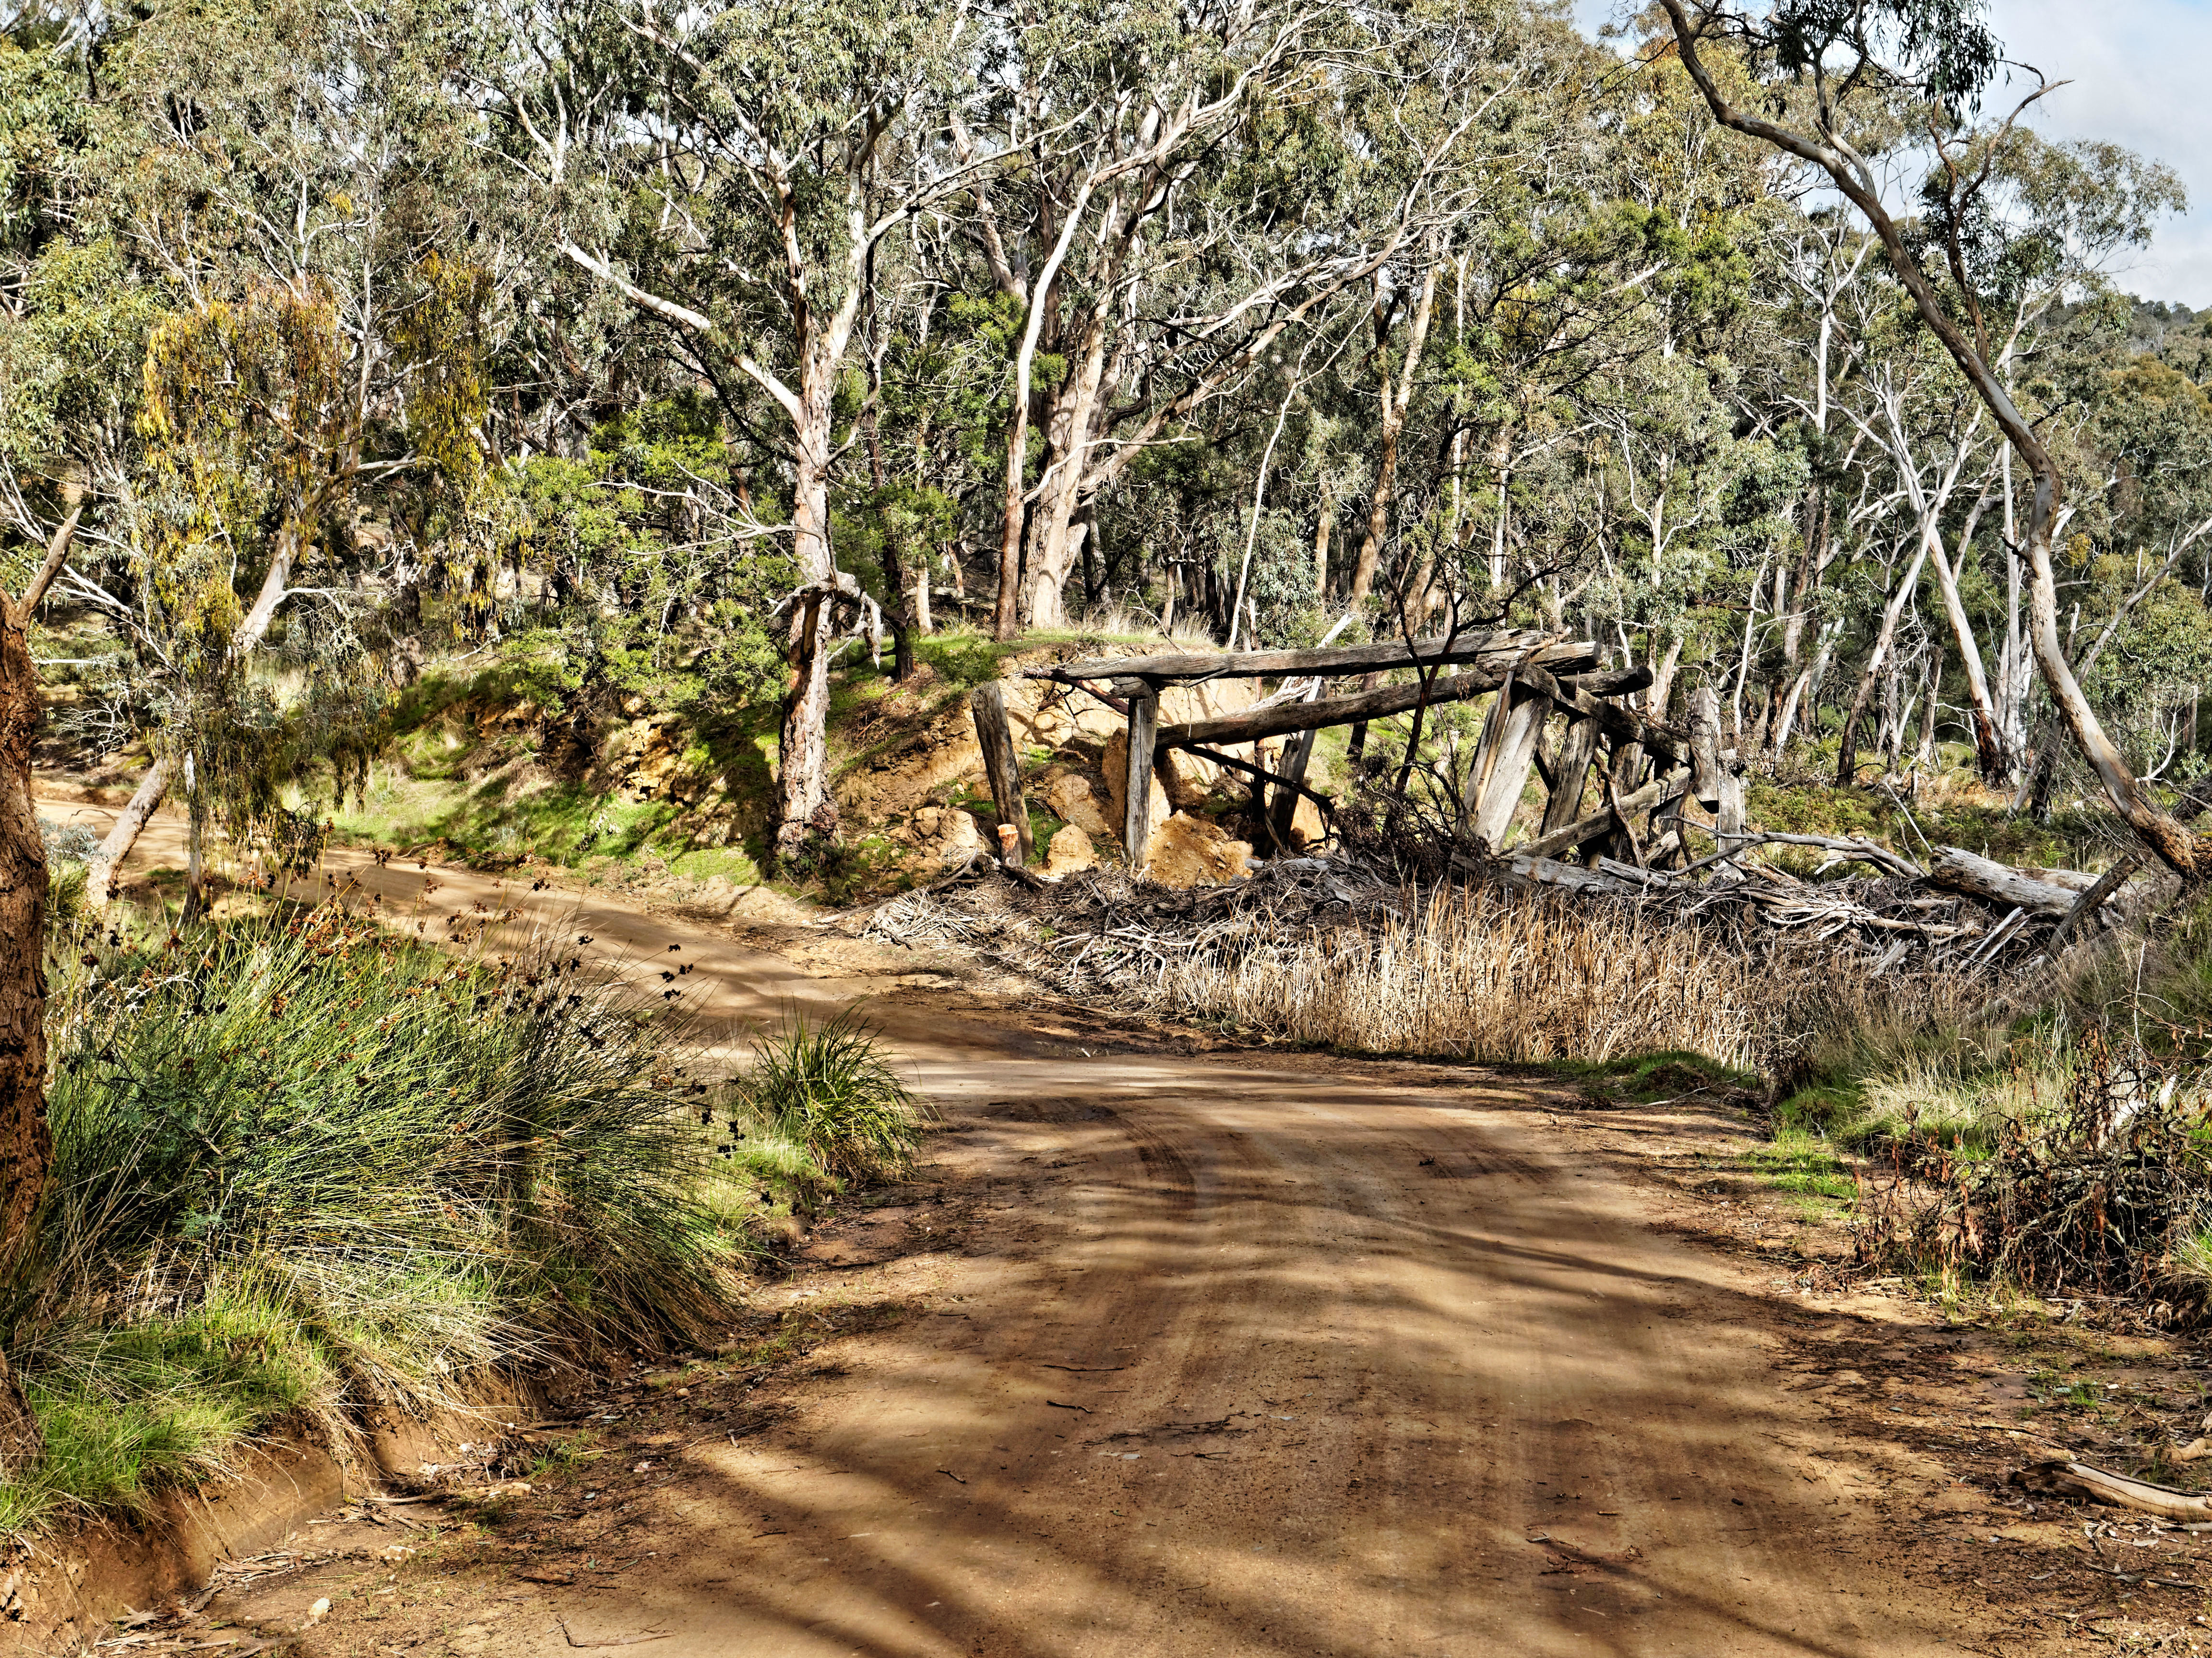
2137,73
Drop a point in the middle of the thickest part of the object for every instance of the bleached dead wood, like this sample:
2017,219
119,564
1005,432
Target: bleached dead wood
2000,884
1495,651
1880,856
2095,1485
1656,792
1502,760
1002,765
1572,877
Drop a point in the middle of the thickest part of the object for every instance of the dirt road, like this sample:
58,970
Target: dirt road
1268,1354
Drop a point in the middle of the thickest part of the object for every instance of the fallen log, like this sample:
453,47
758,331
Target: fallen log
1495,651
1572,876
2090,902
1866,852
2000,884
2095,1485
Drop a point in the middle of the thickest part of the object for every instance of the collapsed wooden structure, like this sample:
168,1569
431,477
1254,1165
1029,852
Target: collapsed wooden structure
1541,676
1623,791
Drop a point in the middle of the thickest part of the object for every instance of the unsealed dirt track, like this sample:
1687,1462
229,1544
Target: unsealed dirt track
1246,1354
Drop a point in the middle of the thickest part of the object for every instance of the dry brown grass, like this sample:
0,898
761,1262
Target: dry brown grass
1482,974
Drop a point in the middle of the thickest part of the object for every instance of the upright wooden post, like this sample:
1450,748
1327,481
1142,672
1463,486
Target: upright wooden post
1297,753
1705,773
1137,785
1002,765
1620,841
1730,813
1502,760
1570,772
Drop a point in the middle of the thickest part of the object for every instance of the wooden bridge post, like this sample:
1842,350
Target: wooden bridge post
1620,841
1298,753
1502,760
1002,765
1137,785
1570,772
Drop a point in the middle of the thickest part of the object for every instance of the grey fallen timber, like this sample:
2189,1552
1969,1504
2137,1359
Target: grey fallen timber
1257,724
1962,871
1549,871
1656,792
1498,651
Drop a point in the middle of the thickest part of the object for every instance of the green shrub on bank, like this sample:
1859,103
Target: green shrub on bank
826,1089
302,1169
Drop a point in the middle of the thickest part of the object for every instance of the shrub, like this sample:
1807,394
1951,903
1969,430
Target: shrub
2105,1189
827,1088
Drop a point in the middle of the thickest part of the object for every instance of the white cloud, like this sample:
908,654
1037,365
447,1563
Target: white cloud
2136,74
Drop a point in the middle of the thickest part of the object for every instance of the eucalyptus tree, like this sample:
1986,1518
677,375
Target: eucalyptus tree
1940,55
270,239
736,171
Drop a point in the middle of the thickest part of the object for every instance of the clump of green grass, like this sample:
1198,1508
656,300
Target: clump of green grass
1801,1160
826,1088
303,1170
1654,1078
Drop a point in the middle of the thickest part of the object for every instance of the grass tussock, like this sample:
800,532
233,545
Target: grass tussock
823,1093
1535,978
304,1170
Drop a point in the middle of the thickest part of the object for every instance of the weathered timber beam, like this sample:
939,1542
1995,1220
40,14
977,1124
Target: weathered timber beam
1585,693
1656,792
1963,872
1570,771
1257,724
1498,650
1705,745
1502,759
1573,876
1137,781
1002,765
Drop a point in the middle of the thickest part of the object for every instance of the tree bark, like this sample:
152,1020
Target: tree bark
25,1144
1847,746
808,812
1990,751
1005,623
1395,398
1051,554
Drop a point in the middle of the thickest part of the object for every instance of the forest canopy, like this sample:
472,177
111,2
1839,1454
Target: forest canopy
357,339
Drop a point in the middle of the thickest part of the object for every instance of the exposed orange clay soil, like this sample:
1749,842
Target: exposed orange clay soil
1183,1351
